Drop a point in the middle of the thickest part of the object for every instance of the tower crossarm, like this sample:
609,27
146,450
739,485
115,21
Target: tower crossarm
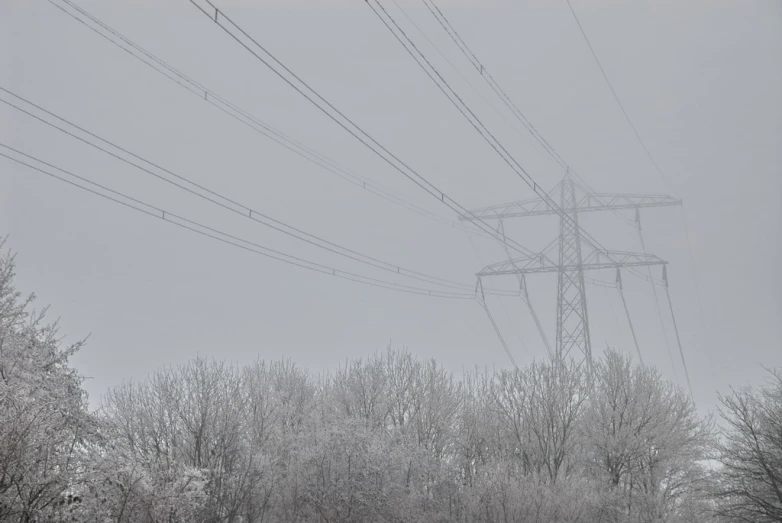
531,207
589,202
608,202
593,261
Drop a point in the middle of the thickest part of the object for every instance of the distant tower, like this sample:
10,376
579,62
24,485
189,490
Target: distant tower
576,253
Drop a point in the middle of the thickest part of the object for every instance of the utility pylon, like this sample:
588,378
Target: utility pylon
575,253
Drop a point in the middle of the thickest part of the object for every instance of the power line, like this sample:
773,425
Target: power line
502,304
226,202
213,233
676,330
499,91
443,85
228,239
657,167
456,100
450,93
692,266
616,96
506,99
473,59
245,117
461,75
657,303
643,145
484,73
327,108
524,293
482,301
620,288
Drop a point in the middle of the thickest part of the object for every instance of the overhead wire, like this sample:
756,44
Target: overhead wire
461,75
513,107
216,234
220,200
205,94
676,330
616,96
450,93
653,161
657,302
445,24
620,288
473,59
250,44
692,267
502,304
432,72
443,197
513,327
507,100
482,301
525,292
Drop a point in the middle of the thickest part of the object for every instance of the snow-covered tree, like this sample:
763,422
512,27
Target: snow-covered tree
749,481
540,409
43,409
360,390
645,439
386,438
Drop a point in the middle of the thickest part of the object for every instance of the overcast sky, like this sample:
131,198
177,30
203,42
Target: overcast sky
701,80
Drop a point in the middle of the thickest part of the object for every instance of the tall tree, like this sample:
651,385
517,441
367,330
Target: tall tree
43,409
749,482
644,438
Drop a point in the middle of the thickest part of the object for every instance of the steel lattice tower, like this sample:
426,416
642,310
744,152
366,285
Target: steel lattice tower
572,319
575,254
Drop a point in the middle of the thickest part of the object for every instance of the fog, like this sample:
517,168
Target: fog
700,81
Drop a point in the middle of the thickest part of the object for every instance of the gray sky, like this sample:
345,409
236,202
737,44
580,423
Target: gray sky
700,79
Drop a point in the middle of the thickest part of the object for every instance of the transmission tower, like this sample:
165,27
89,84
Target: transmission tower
571,254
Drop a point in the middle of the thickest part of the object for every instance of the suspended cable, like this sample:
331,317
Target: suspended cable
523,288
676,330
512,326
462,76
450,93
656,298
511,105
462,107
546,197
508,101
464,48
620,288
692,267
204,230
482,301
528,301
616,96
246,118
502,304
227,203
327,108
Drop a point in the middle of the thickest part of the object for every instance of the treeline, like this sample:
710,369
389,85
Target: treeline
388,438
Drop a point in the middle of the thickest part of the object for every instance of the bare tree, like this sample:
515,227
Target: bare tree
749,482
